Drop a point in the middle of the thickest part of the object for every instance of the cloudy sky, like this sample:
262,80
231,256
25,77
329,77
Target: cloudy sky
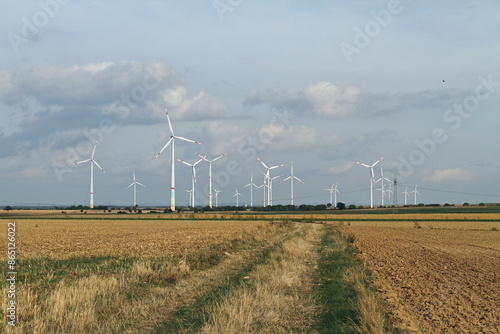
319,83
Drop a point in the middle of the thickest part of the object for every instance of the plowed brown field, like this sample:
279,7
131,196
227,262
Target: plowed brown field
437,279
65,238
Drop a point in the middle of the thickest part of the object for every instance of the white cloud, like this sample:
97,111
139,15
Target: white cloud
202,105
452,174
341,168
322,98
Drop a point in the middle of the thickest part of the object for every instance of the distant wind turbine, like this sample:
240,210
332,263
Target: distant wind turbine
415,192
217,197
237,195
172,176
92,162
135,183
267,178
406,193
251,185
189,192
291,177
193,180
381,180
210,175
372,179
333,191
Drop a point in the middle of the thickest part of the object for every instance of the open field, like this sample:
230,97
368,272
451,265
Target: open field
70,238
130,274
440,277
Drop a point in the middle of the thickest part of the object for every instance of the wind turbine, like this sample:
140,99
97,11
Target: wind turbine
406,193
267,177
217,197
270,197
171,141
251,185
291,177
135,183
389,191
190,192
333,191
372,178
381,180
92,162
237,195
415,192
193,181
210,175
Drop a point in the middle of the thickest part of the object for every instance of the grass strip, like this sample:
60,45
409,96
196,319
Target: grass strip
337,297
350,303
190,319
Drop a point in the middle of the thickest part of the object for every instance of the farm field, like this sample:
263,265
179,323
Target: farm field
440,277
64,238
155,274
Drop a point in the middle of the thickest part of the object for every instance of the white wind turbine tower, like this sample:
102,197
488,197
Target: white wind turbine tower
237,195
389,191
381,180
210,175
372,181
415,192
217,197
406,193
135,183
193,180
271,187
172,178
291,177
267,177
92,162
189,192
251,185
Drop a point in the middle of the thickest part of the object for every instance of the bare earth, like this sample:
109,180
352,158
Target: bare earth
438,280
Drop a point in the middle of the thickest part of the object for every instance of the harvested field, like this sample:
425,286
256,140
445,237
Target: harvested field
62,238
438,279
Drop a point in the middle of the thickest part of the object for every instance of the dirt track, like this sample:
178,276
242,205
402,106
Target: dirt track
438,281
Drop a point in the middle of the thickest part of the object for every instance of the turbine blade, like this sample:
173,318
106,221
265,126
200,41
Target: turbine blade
262,163
169,124
80,162
194,174
141,184
296,178
188,140
273,167
376,162
98,166
362,164
164,147
93,151
286,179
219,157
130,185
186,163
197,162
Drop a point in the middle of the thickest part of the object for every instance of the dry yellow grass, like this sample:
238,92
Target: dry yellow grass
67,238
278,297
